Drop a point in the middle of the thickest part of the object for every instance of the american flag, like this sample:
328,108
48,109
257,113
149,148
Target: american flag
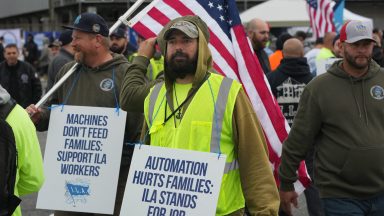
321,16
232,56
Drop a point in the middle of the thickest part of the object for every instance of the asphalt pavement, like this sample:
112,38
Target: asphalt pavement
28,204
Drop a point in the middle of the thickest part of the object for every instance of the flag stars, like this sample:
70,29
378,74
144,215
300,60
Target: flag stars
210,4
219,7
222,18
230,22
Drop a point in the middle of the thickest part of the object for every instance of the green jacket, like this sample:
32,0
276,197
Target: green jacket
99,87
343,118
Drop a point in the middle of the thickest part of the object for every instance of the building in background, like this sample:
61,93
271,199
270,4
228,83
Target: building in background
50,15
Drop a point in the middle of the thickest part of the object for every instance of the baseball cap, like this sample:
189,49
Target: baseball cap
120,32
91,23
186,27
55,43
354,31
65,37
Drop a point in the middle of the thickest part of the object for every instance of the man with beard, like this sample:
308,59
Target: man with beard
119,40
96,82
341,115
258,33
193,96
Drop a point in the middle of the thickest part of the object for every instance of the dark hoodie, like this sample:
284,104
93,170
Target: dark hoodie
295,68
342,117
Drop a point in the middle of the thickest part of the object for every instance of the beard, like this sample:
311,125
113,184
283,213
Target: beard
353,61
117,49
79,57
258,45
179,69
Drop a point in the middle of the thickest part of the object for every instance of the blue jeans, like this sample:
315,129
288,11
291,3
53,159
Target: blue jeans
354,207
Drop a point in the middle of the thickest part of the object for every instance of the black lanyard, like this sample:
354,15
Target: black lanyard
182,104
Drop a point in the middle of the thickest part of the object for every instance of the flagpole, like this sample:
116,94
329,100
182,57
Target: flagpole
121,20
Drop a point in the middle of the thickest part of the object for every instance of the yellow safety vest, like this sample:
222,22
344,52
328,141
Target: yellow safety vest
154,68
206,126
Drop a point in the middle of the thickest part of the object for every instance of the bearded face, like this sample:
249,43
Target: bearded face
83,45
118,44
181,57
179,65
358,54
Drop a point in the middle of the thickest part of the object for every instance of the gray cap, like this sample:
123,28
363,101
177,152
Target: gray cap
354,31
186,27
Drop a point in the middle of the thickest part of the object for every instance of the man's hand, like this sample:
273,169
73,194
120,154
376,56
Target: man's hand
286,198
147,48
34,113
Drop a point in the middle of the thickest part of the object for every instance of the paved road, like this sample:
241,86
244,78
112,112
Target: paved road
28,204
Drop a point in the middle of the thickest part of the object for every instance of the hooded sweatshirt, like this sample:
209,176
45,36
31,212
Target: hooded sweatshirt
259,188
342,117
98,87
89,86
29,176
295,68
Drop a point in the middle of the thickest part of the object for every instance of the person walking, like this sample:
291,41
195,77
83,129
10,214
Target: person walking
340,115
96,82
191,93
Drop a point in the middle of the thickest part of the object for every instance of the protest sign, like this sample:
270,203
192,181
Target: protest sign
172,182
82,159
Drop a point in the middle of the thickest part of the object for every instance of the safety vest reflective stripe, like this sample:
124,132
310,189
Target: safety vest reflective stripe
152,100
231,166
217,122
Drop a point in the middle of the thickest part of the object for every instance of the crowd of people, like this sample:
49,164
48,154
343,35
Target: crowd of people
335,118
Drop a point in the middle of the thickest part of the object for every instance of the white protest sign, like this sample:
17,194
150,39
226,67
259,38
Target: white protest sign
172,182
82,159
323,65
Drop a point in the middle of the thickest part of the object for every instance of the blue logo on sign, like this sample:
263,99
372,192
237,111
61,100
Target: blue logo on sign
77,192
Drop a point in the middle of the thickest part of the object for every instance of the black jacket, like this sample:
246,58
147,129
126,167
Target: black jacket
287,84
296,68
264,60
26,88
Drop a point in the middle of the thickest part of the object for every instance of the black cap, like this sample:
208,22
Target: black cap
120,32
65,37
91,23
55,43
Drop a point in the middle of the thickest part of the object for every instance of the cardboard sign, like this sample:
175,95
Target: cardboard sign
82,159
172,182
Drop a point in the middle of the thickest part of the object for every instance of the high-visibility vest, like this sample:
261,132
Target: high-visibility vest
154,68
206,126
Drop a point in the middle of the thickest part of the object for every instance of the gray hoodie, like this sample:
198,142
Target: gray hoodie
343,117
